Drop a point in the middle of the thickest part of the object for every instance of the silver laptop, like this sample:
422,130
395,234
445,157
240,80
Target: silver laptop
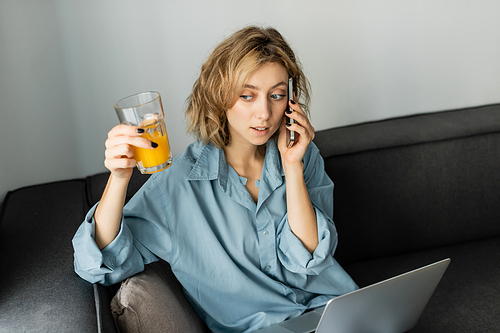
390,306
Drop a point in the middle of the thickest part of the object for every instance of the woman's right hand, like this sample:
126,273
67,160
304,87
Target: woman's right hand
120,161
119,155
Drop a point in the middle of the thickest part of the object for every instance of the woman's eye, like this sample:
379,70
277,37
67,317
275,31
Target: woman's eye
277,96
246,97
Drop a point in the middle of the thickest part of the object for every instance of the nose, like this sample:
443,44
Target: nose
263,109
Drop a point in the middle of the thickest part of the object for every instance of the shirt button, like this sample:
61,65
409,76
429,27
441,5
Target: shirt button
266,233
267,268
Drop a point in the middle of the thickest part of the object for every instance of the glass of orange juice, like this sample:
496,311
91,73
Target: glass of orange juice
145,110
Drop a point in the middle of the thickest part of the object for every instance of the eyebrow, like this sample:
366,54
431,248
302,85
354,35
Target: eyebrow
249,86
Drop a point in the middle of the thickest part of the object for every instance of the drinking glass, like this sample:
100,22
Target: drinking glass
145,110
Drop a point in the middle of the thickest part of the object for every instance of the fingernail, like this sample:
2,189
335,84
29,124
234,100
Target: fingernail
140,130
154,144
292,101
288,111
287,124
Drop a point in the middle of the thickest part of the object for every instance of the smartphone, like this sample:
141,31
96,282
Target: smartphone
290,135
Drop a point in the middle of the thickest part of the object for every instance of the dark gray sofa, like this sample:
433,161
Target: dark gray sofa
408,192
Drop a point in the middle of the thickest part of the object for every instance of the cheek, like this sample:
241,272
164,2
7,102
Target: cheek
279,110
235,115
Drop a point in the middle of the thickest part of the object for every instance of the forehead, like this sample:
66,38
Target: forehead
268,75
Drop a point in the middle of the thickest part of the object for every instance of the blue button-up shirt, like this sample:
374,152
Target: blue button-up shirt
241,266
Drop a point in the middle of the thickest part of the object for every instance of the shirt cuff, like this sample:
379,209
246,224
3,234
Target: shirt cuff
93,264
297,259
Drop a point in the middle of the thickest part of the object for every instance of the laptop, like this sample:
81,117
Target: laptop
391,306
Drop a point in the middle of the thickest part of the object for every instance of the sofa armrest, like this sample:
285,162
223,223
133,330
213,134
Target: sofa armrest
40,290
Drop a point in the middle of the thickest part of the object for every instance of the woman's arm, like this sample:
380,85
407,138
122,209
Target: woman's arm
120,161
301,214
109,211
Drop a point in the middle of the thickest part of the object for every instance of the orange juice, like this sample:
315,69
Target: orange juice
153,160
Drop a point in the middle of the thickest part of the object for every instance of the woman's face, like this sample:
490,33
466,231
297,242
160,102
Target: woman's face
260,107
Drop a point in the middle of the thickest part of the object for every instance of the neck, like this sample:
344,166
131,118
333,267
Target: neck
243,157
247,160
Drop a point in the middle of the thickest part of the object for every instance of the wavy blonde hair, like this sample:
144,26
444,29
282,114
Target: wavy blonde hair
224,74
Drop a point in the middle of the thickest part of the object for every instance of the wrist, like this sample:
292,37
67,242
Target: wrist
119,181
295,168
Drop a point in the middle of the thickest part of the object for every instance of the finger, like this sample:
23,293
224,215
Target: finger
125,130
121,151
136,141
123,163
297,108
304,132
294,127
300,118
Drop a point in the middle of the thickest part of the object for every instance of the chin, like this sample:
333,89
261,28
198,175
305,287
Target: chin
259,142
262,140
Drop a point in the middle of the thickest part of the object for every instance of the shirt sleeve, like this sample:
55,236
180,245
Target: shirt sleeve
125,255
291,252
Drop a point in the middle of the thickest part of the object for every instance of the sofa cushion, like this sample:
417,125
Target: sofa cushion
468,297
153,301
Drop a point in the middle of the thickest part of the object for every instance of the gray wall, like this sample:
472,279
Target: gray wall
64,63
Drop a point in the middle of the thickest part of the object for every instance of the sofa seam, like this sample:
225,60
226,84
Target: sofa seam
409,144
97,304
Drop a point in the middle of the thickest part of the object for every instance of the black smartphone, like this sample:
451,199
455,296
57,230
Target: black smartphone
290,135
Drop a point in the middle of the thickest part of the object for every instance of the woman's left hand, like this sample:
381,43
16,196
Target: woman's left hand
304,134
300,211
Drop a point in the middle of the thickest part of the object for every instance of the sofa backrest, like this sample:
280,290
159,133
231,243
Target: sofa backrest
414,183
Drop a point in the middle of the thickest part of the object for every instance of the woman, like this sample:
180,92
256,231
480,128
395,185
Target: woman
244,221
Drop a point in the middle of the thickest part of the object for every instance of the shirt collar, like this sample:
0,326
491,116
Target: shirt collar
206,166
273,169
211,164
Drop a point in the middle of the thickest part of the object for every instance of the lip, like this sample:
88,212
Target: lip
260,130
